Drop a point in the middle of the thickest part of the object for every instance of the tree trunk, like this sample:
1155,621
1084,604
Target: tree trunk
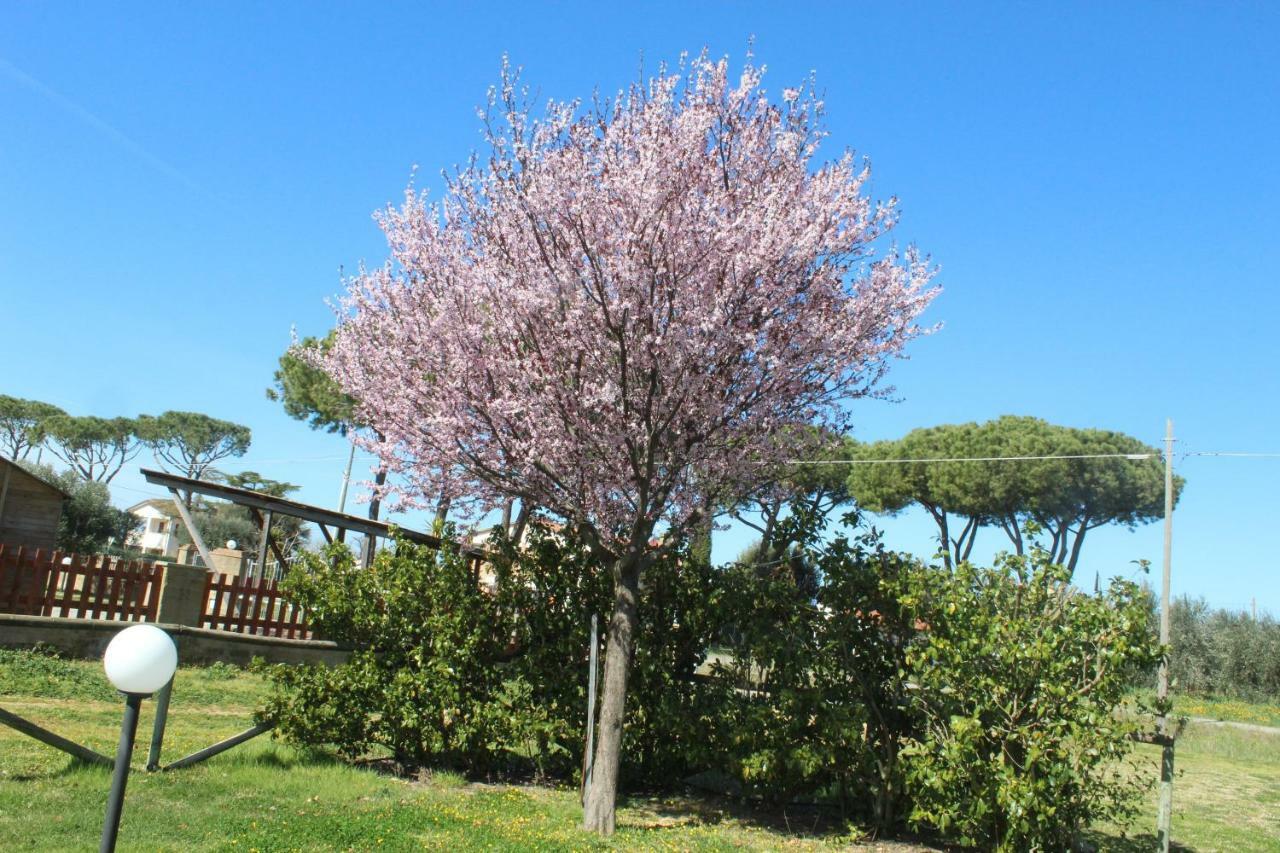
700,539
1076,545
945,537
522,520
964,545
602,793
442,513
376,502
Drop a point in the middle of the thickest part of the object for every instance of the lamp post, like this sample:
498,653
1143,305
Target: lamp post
139,661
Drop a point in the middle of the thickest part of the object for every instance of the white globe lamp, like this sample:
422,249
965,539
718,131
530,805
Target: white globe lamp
140,660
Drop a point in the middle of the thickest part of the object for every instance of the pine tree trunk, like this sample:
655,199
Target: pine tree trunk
602,794
1076,545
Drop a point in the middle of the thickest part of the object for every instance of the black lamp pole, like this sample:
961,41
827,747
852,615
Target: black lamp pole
124,752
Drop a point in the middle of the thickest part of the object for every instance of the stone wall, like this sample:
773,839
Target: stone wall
88,638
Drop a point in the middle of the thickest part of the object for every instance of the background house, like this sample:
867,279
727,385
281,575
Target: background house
30,508
159,534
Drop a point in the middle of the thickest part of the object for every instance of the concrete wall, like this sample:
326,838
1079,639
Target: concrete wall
230,562
88,638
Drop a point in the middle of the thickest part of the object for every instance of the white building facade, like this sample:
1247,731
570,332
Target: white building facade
159,533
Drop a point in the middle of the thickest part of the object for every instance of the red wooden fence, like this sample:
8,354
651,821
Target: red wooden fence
51,583
249,606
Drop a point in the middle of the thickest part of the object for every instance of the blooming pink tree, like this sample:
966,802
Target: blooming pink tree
613,313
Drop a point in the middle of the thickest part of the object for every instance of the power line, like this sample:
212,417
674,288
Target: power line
1236,453
1135,457
1131,456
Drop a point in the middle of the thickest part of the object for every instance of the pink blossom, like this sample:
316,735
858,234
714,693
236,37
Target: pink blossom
614,311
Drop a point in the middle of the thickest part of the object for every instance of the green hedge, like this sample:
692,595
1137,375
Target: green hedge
979,704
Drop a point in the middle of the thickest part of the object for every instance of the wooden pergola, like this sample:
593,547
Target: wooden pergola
264,509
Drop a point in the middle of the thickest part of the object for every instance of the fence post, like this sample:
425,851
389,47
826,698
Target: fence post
182,595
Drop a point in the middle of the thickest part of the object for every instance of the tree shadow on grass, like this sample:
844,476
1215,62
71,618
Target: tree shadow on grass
280,757
72,767
658,812
1143,843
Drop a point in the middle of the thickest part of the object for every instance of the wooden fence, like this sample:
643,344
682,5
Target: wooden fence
249,606
51,583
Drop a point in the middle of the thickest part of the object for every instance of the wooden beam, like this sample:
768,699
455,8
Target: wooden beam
284,506
275,548
265,526
192,529
324,531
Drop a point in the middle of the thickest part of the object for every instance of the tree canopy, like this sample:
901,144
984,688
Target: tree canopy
815,484
307,392
23,425
613,313
95,448
190,442
1099,477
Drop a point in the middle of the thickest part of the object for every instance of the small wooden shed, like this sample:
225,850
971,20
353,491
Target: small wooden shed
30,508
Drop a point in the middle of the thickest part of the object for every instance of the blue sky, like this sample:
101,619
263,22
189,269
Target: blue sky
181,184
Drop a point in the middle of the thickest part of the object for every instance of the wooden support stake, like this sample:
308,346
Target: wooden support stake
157,728
56,741
589,757
259,571
220,746
275,547
192,529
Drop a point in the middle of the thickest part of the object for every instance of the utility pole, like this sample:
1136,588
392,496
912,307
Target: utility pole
346,478
1164,818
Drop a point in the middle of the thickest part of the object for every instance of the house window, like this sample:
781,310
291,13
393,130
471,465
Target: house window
162,525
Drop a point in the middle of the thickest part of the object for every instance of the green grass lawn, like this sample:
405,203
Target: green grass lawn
268,796
1220,708
1233,710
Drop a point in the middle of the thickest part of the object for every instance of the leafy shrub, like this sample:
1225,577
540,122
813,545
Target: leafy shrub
549,588
422,681
820,709
980,704
675,723
447,673
1017,680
